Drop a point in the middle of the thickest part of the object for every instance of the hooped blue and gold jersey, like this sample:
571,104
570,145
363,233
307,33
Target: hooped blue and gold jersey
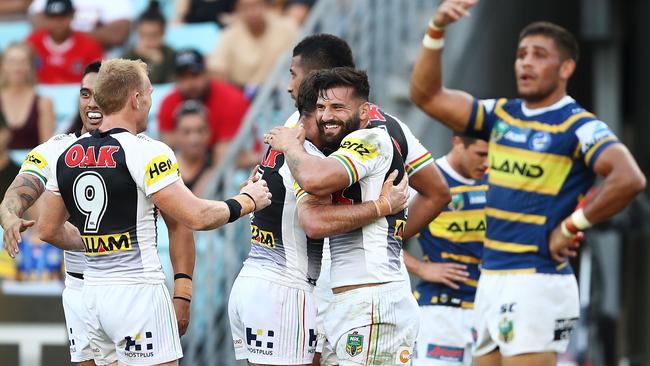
455,236
541,163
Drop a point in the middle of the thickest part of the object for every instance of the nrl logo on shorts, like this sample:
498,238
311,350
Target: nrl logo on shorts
354,345
506,330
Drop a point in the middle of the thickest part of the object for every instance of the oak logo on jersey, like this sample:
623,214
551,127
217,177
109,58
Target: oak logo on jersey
107,244
76,156
270,160
158,168
360,148
134,345
399,229
262,237
35,158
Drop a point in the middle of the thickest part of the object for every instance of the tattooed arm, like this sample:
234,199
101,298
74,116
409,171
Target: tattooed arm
21,195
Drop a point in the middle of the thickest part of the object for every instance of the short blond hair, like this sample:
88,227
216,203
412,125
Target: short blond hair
116,80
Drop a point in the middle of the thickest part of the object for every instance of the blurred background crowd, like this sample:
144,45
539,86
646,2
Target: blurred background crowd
207,60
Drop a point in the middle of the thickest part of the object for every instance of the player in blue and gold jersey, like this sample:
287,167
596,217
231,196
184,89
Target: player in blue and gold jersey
452,245
545,151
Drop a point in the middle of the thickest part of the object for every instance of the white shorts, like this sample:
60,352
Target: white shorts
525,313
75,319
272,324
374,325
445,337
324,297
134,324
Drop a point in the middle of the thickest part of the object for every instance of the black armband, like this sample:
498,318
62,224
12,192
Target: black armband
235,209
182,275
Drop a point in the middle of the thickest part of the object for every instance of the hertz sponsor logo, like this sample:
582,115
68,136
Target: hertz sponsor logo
262,237
158,168
106,244
361,148
399,229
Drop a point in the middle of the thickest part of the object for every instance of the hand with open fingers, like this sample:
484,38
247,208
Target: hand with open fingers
563,247
452,10
397,195
11,237
449,274
283,138
260,193
253,177
182,310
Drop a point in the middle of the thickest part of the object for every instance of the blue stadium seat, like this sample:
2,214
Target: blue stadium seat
160,91
65,98
13,31
201,36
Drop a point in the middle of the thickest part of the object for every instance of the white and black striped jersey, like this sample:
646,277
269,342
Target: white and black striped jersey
280,249
41,162
106,180
372,253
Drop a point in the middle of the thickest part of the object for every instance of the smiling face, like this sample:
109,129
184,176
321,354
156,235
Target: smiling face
541,69
91,115
338,112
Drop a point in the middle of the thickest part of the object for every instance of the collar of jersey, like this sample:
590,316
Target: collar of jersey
528,112
98,133
444,165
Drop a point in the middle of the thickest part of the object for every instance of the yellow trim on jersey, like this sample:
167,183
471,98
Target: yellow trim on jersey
593,149
363,149
540,126
158,168
416,294
461,189
473,283
515,216
459,226
460,258
562,265
34,158
505,246
507,271
526,170
480,116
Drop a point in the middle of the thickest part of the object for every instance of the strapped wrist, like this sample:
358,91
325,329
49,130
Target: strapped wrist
183,288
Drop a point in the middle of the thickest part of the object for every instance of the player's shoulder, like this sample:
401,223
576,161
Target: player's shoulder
146,142
292,121
373,135
312,149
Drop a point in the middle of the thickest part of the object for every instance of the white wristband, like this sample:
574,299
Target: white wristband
565,231
433,26
580,220
431,43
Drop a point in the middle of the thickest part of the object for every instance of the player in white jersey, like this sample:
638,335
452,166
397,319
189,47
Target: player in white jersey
107,184
325,51
373,318
284,263
30,184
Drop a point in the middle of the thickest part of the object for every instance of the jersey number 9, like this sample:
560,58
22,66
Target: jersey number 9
91,199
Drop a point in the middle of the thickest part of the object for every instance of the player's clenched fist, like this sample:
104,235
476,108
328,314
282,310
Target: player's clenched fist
258,192
452,10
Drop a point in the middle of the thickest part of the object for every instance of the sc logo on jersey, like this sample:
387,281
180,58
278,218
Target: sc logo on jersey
158,168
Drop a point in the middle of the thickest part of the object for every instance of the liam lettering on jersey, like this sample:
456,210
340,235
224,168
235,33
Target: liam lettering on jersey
262,237
107,244
78,157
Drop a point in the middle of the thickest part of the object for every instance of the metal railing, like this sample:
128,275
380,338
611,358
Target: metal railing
384,36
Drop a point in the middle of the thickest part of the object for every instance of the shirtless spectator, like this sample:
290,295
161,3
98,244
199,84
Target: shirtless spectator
109,21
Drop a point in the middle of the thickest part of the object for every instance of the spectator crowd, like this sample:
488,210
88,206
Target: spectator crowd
208,96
